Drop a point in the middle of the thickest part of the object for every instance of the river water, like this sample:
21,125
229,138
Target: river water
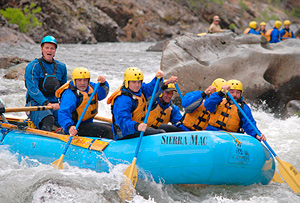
20,182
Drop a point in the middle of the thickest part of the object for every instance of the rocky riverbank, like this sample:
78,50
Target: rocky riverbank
92,21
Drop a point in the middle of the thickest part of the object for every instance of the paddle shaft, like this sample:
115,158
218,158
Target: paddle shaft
80,141
179,92
100,118
252,125
146,118
27,108
289,172
81,117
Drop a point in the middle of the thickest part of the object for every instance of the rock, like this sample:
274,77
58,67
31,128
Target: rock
158,46
12,37
16,72
293,108
6,62
269,72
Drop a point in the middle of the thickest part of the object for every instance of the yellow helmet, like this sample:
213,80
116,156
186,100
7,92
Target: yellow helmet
170,87
132,74
218,83
252,24
80,73
263,23
277,24
235,85
287,22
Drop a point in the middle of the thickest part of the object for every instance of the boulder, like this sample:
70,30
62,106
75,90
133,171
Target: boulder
7,62
269,72
10,36
293,108
16,72
158,47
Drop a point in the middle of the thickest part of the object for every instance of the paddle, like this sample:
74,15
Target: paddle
131,171
179,92
83,142
100,118
26,108
287,171
59,163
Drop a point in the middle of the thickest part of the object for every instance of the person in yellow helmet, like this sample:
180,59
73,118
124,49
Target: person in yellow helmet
225,115
196,116
273,35
163,111
252,28
129,105
286,32
262,29
215,27
74,96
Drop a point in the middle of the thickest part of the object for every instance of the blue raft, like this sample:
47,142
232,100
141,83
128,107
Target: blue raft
203,157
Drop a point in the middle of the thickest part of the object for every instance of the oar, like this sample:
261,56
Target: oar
179,92
26,108
131,171
84,142
100,118
59,163
287,171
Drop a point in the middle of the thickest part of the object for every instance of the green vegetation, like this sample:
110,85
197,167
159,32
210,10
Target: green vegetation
232,26
197,5
296,11
264,17
243,5
26,20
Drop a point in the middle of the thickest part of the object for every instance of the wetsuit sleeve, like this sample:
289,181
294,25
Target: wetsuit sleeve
192,100
122,114
102,91
175,114
246,126
67,106
211,103
147,88
32,82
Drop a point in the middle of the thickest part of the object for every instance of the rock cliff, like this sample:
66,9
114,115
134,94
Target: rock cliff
91,21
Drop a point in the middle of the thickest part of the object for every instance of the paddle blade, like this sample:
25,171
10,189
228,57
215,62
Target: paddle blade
290,175
129,182
276,178
58,163
131,173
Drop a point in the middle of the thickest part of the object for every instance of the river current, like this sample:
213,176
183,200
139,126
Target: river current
20,182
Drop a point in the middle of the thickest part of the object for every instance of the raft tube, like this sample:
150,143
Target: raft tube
196,157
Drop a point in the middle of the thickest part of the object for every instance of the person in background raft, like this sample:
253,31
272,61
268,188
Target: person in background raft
252,28
196,116
286,32
262,29
273,35
163,110
225,115
129,105
74,96
215,27
43,77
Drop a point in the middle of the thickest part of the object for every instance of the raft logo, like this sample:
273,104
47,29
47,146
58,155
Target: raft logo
184,140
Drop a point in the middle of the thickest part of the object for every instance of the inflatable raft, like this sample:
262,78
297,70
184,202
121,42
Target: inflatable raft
203,157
